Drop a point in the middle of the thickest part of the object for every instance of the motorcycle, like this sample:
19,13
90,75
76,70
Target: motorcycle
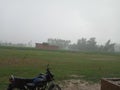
41,82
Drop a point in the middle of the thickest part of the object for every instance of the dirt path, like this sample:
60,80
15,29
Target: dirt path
78,85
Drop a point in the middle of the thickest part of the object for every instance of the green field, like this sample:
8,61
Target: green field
29,62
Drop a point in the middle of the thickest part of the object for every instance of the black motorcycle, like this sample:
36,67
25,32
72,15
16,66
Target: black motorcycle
41,82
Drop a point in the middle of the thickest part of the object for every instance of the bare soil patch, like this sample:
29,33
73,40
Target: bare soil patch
78,85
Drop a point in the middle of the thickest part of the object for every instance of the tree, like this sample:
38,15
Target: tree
91,44
109,47
81,44
87,45
63,44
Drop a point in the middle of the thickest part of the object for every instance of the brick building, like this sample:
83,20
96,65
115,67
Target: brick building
46,46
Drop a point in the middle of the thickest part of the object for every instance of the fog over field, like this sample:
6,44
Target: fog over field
38,20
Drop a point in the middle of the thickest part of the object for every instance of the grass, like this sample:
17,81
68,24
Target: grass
29,62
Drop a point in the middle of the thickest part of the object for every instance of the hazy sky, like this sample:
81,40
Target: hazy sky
38,20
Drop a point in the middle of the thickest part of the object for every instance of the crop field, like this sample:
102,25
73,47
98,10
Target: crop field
29,62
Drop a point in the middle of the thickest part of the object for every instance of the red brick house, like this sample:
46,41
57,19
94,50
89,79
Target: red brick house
46,46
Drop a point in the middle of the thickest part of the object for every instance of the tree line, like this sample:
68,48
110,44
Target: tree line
83,45
29,44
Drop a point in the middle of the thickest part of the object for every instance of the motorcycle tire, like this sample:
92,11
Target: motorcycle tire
54,87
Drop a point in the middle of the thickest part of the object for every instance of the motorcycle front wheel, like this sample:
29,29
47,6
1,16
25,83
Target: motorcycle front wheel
54,87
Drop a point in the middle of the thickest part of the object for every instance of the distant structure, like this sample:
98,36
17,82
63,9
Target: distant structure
46,46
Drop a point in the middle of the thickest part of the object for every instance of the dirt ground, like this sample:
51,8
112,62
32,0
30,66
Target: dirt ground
78,85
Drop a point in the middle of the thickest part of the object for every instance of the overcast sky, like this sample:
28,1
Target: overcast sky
38,20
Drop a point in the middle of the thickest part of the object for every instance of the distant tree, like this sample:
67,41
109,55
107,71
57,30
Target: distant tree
109,47
63,44
73,47
82,44
117,47
91,44
87,45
